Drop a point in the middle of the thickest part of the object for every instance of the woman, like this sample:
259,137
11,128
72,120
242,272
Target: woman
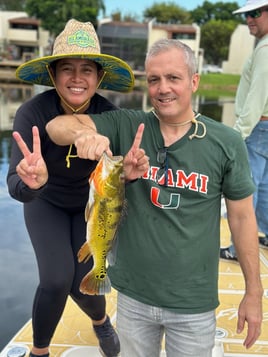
54,202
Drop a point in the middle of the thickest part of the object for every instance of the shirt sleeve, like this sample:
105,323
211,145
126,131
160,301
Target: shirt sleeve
237,180
255,104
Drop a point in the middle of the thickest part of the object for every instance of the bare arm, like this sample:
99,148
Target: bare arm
64,129
243,226
80,130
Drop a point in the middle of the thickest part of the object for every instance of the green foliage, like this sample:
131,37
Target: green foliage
167,12
216,21
215,39
215,11
12,5
55,13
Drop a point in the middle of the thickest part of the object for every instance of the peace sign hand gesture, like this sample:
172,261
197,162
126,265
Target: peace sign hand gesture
32,168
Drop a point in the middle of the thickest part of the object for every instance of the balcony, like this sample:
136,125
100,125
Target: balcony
23,37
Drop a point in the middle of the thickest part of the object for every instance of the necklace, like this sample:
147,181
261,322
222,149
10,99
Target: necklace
176,124
193,120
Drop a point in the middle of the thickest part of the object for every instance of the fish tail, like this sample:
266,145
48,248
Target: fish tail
92,285
84,253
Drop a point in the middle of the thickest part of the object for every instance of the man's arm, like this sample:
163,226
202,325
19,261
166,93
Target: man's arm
244,231
80,130
64,129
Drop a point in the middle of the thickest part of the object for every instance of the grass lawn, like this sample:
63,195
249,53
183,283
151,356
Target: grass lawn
212,85
218,84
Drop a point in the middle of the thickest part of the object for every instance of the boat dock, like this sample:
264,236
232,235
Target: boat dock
74,336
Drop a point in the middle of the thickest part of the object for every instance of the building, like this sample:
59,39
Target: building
21,37
130,40
241,47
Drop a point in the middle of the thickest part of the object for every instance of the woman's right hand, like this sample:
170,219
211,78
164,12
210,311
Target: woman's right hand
32,168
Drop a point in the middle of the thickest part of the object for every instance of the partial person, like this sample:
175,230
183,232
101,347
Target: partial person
166,271
251,108
56,193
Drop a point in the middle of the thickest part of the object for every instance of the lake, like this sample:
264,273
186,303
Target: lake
17,261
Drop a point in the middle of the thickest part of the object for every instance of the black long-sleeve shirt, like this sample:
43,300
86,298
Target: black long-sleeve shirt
66,187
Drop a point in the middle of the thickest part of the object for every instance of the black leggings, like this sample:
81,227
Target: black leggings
57,235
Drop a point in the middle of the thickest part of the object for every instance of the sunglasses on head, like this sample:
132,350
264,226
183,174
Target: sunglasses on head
254,13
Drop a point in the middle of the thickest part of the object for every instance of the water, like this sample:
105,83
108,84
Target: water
17,261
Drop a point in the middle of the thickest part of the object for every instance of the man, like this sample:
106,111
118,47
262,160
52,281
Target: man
166,271
251,108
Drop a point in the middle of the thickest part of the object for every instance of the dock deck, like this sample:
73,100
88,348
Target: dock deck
74,336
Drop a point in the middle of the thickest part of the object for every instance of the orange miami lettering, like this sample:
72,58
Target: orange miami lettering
193,181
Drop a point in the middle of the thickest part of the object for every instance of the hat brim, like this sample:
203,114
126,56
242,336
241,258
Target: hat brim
118,74
251,7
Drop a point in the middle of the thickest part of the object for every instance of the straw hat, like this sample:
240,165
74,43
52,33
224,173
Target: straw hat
79,40
251,5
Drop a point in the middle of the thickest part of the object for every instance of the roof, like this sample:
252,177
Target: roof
24,21
176,27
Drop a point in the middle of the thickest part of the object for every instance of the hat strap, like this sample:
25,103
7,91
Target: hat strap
61,97
101,79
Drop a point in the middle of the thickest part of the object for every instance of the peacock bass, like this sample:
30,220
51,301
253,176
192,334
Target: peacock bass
103,214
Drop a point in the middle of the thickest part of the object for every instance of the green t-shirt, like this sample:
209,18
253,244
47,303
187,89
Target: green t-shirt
168,249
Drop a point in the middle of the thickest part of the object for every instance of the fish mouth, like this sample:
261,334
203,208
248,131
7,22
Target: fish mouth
112,162
113,159
111,166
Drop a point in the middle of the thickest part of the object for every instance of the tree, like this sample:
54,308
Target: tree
217,23
12,5
117,16
215,39
55,13
167,12
215,11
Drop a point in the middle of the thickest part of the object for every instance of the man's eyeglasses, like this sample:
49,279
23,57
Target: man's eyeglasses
255,13
162,159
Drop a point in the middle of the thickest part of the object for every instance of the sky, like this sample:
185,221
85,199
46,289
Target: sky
137,7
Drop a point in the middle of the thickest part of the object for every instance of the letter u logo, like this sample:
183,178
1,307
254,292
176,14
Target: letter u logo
174,199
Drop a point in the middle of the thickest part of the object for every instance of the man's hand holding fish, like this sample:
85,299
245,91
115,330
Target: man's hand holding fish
81,132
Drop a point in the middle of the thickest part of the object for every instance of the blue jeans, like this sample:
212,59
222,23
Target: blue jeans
257,145
141,329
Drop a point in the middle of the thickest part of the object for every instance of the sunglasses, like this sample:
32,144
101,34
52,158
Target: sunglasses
254,14
162,160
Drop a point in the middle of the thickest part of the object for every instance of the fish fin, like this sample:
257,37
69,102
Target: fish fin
84,253
90,285
89,207
111,255
87,212
123,213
